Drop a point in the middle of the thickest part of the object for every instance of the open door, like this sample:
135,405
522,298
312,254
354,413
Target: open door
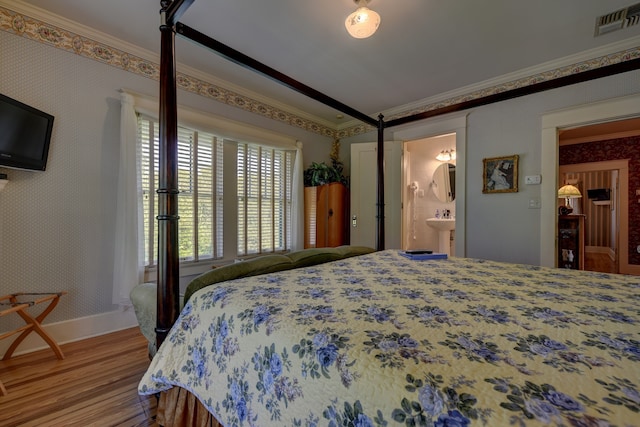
363,194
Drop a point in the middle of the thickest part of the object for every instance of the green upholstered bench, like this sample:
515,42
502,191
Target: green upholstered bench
144,296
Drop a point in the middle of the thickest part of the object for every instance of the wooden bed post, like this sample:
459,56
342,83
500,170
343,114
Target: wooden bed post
168,303
380,182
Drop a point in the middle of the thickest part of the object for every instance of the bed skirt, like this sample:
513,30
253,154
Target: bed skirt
179,408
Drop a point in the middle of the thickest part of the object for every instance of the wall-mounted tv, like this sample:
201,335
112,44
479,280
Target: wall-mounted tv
25,135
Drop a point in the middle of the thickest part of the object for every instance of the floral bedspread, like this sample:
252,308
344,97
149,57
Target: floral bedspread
382,340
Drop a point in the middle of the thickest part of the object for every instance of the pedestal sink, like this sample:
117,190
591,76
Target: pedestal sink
444,227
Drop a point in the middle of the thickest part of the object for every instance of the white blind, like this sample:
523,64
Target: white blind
264,199
200,164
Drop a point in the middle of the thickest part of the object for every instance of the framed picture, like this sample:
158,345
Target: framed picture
500,174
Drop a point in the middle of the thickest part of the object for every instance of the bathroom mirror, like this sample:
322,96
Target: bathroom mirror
444,182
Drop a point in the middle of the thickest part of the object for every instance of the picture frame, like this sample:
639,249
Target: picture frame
500,174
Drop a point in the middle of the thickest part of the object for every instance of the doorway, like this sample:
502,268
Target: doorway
602,206
455,124
429,192
552,125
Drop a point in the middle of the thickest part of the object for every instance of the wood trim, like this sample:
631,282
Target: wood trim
260,68
605,71
168,304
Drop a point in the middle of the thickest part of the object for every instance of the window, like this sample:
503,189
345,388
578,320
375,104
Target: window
261,219
264,199
200,159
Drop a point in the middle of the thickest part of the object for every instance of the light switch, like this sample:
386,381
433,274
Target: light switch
532,179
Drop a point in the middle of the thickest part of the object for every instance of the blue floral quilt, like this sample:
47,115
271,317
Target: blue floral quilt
382,340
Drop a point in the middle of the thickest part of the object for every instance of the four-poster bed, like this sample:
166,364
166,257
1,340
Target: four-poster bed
387,263
171,11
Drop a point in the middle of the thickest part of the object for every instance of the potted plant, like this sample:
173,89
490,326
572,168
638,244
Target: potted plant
321,173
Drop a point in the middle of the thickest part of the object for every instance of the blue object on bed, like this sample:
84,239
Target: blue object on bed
423,256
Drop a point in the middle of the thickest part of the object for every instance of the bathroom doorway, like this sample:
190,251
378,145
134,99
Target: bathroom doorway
429,192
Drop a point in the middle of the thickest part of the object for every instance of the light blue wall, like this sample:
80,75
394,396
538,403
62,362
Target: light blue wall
501,226
57,226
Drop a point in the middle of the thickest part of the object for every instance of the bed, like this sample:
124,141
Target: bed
381,339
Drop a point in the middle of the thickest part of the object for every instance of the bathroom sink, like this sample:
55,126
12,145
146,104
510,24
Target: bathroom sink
444,227
442,224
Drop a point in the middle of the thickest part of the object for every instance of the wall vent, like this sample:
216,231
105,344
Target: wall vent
618,20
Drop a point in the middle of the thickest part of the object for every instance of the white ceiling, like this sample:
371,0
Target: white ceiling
423,48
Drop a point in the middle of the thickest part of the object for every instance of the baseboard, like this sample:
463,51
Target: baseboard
75,330
597,249
632,269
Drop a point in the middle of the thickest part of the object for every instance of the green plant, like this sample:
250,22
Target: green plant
322,173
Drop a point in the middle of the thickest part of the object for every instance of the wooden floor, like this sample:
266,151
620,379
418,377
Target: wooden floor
95,385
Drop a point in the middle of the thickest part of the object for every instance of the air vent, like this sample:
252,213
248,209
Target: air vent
618,20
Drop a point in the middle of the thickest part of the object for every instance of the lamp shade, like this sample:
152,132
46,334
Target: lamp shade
569,192
362,23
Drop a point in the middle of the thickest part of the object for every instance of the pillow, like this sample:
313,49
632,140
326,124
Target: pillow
313,256
349,251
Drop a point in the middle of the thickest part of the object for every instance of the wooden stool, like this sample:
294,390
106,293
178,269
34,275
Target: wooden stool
32,323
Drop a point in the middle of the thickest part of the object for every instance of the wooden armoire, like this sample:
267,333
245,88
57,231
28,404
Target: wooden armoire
326,212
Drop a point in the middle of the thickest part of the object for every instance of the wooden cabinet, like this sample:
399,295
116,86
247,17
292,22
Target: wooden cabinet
325,215
571,241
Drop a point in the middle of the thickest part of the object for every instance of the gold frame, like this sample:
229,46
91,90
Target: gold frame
506,180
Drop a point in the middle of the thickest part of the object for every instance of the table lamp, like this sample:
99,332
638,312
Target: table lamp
568,192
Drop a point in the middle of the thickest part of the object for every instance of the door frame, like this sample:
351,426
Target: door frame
454,123
598,112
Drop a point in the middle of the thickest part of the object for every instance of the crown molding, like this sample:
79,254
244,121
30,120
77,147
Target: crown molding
18,7
612,53
42,26
20,18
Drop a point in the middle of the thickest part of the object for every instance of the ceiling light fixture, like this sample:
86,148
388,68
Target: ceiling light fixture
363,22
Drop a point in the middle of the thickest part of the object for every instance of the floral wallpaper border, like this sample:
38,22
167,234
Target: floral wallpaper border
60,38
45,33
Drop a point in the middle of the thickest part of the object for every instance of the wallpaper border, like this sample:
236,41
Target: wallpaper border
43,32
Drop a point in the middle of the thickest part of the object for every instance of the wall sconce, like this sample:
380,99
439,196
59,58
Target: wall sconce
568,192
446,155
363,22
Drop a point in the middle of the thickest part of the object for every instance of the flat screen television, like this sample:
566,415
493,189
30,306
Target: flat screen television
25,135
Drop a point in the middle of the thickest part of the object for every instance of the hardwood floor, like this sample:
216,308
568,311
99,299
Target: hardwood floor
95,385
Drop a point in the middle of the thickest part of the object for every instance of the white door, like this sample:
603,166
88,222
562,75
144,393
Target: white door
363,194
